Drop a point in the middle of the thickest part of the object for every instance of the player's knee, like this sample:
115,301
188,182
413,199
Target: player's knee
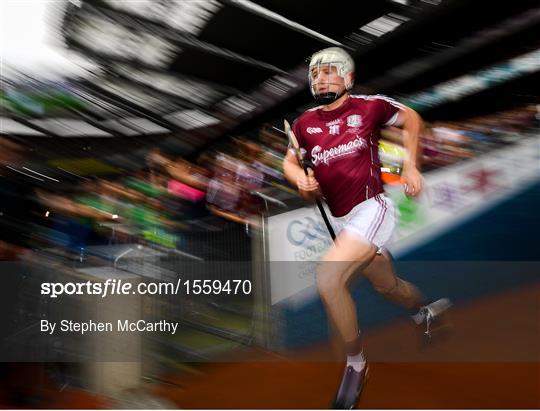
329,284
385,289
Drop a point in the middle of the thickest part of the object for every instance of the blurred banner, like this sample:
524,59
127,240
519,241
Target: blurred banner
452,195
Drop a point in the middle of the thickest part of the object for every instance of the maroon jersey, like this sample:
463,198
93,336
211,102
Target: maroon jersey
342,145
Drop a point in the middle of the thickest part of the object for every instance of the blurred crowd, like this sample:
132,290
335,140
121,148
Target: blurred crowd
156,204
449,142
170,195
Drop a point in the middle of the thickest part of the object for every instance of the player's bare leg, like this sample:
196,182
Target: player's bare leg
346,256
335,270
380,272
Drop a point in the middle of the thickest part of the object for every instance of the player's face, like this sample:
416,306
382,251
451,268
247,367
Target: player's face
325,79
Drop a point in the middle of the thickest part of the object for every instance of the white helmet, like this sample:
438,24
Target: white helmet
332,56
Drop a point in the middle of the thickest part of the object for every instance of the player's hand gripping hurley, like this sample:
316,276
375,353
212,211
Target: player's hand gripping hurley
296,147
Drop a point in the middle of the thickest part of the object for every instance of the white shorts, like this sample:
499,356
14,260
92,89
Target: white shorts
372,220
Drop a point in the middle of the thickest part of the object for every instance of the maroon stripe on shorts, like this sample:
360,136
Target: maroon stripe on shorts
374,221
372,235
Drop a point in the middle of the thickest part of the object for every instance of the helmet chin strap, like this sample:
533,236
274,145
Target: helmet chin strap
328,98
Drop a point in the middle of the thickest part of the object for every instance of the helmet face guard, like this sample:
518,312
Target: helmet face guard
325,60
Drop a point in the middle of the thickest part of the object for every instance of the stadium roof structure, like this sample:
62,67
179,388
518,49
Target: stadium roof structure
182,74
